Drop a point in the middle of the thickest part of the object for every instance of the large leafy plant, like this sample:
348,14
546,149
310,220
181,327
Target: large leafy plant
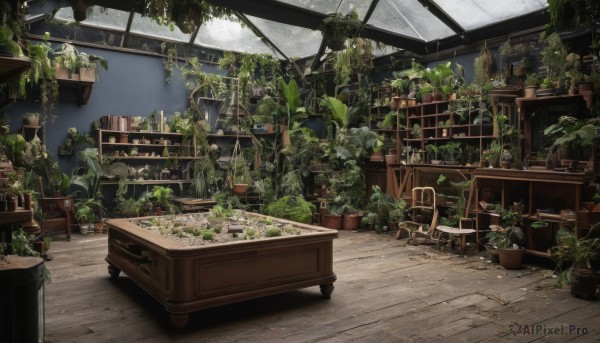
573,134
291,101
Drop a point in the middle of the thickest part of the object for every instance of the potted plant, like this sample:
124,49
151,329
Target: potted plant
573,138
508,239
432,153
67,62
451,152
397,214
441,79
88,66
379,207
85,214
504,240
347,189
546,87
71,64
578,261
532,83
161,197
332,218
31,118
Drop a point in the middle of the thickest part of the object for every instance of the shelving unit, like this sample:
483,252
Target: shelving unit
537,190
113,151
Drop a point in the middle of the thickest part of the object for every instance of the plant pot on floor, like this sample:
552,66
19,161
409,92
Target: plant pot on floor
511,258
351,221
333,221
84,228
583,283
492,253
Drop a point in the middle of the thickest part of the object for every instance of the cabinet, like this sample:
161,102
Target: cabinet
145,157
543,195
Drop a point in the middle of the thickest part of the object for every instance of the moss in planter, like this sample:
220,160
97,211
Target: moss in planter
293,208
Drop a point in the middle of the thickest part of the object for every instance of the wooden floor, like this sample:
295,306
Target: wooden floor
385,292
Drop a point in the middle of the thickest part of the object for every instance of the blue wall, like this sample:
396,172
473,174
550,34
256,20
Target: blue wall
134,84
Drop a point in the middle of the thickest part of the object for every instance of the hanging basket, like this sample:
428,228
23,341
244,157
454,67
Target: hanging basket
238,175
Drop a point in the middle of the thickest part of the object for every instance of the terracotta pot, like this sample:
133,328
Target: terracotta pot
427,98
124,138
351,221
11,205
333,221
60,72
27,201
583,283
530,91
389,159
492,253
239,188
87,74
511,258
377,156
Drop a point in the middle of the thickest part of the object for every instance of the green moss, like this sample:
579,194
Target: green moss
273,232
293,208
207,235
251,233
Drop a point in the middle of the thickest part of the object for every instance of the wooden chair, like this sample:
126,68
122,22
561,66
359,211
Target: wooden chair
465,229
56,213
423,202
419,233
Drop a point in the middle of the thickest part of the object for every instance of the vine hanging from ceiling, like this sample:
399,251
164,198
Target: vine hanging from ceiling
186,14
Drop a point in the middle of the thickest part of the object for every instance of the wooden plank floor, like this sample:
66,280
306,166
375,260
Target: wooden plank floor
386,292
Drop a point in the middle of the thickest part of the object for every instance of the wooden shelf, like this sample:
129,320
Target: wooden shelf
229,136
203,98
148,157
144,182
13,67
84,89
142,133
148,145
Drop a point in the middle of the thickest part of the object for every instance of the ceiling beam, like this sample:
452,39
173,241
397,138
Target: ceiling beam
302,17
517,24
370,11
275,11
437,11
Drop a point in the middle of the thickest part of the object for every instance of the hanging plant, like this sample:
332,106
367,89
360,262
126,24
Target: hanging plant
484,66
186,14
337,28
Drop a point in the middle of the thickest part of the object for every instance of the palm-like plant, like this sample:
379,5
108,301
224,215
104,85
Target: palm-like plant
575,254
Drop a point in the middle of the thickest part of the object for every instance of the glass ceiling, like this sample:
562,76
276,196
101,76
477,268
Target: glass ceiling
406,18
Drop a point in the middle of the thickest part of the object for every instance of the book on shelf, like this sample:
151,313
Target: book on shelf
116,123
